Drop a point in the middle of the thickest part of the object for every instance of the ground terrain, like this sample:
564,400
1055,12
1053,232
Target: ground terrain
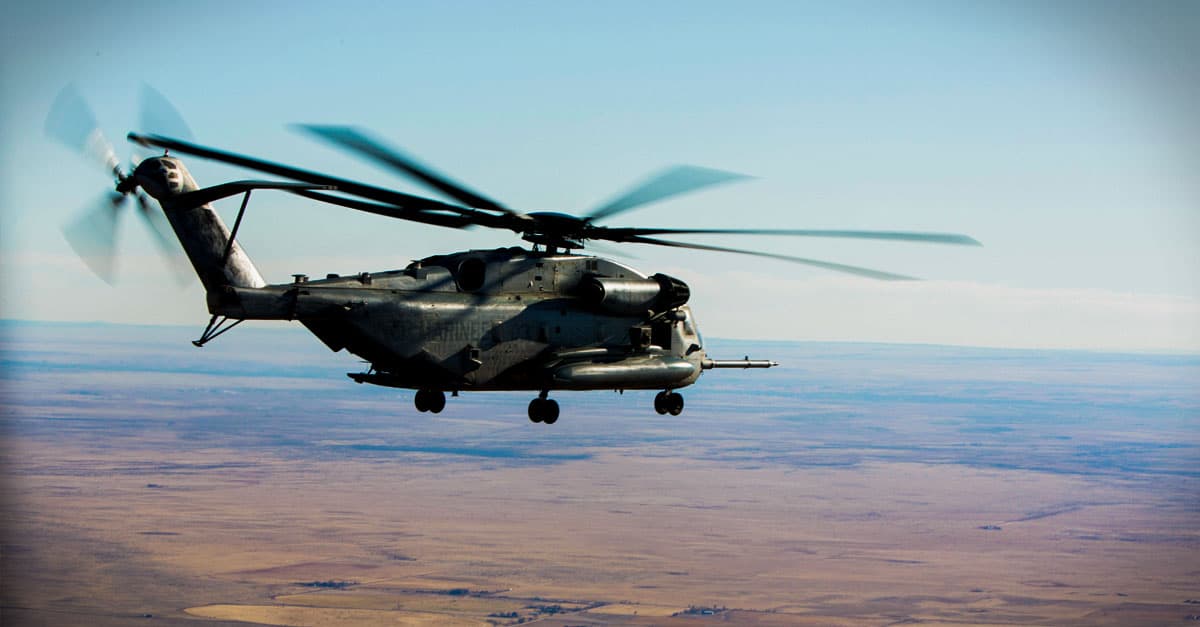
250,481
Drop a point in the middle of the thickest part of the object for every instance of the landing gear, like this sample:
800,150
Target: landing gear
542,409
430,400
668,402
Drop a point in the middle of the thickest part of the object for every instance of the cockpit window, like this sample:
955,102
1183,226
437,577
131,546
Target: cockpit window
689,325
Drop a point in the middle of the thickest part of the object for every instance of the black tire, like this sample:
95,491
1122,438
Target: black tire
436,400
535,410
675,403
660,403
550,413
421,401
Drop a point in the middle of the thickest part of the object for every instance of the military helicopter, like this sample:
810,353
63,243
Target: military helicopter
539,318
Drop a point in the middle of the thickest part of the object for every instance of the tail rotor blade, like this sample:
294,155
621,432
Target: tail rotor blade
93,235
160,117
70,120
163,235
671,182
72,123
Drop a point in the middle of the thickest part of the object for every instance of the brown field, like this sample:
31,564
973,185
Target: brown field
637,609
322,616
345,524
654,536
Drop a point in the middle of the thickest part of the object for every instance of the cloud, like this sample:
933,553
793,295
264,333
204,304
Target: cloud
744,305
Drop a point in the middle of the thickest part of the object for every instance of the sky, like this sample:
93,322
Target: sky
1062,135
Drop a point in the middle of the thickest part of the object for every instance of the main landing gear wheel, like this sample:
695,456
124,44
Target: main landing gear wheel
543,410
430,400
668,402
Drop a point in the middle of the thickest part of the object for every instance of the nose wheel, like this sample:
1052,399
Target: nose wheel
430,401
542,409
668,402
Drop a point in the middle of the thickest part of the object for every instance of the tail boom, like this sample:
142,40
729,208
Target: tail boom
217,261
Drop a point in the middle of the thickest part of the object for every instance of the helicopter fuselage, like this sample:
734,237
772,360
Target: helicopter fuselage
502,319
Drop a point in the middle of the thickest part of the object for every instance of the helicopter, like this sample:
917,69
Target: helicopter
540,318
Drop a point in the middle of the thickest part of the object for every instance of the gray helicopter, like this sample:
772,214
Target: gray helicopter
539,318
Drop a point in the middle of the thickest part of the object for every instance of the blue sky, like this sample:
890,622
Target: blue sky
1062,135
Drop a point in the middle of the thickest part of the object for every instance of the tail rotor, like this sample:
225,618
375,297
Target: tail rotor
92,235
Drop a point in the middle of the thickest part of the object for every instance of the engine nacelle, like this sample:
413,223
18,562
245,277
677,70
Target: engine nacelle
626,297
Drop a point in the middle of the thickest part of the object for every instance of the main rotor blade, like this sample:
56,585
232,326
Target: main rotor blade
355,140
160,117
93,235
72,122
902,236
164,236
671,182
828,265
386,196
